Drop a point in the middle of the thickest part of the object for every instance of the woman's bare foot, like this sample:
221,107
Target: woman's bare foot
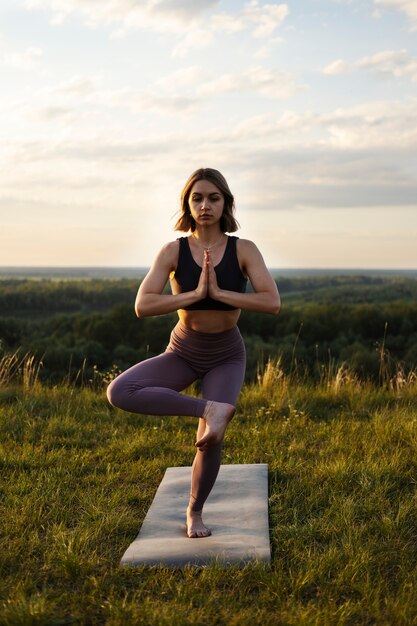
195,526
217,416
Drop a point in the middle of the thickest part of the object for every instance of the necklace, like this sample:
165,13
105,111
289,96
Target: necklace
211,246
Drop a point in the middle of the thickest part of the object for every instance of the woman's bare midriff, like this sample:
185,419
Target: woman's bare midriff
209,321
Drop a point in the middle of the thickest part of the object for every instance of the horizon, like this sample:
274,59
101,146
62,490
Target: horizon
9,271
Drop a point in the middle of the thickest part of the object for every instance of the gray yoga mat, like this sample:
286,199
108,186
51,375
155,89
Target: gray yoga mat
236,512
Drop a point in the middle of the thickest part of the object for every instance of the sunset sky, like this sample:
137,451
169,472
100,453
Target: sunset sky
309,108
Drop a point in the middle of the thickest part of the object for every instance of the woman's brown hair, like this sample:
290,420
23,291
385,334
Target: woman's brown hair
228,223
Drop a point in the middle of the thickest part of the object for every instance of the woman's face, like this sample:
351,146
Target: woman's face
206,203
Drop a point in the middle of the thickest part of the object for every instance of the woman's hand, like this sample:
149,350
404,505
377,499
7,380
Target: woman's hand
202,288
213,287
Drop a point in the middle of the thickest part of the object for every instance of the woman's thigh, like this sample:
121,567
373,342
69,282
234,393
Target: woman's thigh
165,370
224,382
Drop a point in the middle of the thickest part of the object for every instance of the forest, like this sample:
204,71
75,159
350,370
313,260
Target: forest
84,329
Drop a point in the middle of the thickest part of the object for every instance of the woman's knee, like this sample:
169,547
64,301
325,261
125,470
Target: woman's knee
114,392
122,389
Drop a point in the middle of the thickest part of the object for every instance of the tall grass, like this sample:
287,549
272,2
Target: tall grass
20,368
78,476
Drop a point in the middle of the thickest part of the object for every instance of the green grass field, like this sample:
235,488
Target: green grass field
78,476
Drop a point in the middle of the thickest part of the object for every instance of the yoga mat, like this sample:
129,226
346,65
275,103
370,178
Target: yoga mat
236,512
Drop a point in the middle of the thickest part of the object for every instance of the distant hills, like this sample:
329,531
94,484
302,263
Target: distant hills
112,273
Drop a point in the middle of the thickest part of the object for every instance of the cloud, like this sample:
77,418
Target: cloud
193,20
358,156
157,15
77,86
257,79
337,67
397,63
83,99
52,114
195,39
262,19
371,126
26,60
265,18
267,49
409,7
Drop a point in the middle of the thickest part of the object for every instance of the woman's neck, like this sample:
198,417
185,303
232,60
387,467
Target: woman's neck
208,237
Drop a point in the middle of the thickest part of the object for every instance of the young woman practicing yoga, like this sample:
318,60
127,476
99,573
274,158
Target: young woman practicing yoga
208,272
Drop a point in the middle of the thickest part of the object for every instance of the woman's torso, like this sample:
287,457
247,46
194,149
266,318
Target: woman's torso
209,321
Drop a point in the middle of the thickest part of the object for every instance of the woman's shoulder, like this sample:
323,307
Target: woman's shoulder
245,245
168,254
171,247
248,253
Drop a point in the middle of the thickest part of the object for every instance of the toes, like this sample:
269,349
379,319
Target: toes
191,533
199,533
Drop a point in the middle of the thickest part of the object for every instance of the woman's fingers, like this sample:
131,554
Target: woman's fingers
213,287
202,287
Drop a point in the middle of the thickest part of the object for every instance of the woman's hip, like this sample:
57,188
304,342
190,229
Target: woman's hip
204,351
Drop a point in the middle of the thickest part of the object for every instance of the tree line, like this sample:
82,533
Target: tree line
92,324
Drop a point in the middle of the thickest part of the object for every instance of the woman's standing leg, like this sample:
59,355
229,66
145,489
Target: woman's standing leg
221,384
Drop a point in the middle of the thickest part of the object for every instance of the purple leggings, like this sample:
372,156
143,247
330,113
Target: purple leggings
152,387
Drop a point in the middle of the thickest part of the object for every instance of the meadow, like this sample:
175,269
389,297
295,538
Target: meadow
329,403
77,478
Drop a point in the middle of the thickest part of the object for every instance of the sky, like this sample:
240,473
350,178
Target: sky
308,108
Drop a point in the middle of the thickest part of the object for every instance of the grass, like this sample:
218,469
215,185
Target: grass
78,476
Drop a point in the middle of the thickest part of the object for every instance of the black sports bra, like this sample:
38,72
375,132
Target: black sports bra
228,272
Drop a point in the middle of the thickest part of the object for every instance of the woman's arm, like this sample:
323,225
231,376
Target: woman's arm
265,298
151,301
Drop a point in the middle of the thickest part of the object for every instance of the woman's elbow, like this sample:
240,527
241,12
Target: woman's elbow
276,306
139,309
141,312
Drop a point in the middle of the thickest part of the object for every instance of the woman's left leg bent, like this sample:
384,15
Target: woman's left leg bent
152,387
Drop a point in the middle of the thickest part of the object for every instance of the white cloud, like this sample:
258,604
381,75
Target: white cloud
53,113
269,83
193,20
409,7
390,125
266,18
77,86
357,156
267,49
27,60
397,63
337,67
195,39
262,19
289,128
362,129
181,92
157,15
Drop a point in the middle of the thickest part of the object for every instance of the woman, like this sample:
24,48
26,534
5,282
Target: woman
208,271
